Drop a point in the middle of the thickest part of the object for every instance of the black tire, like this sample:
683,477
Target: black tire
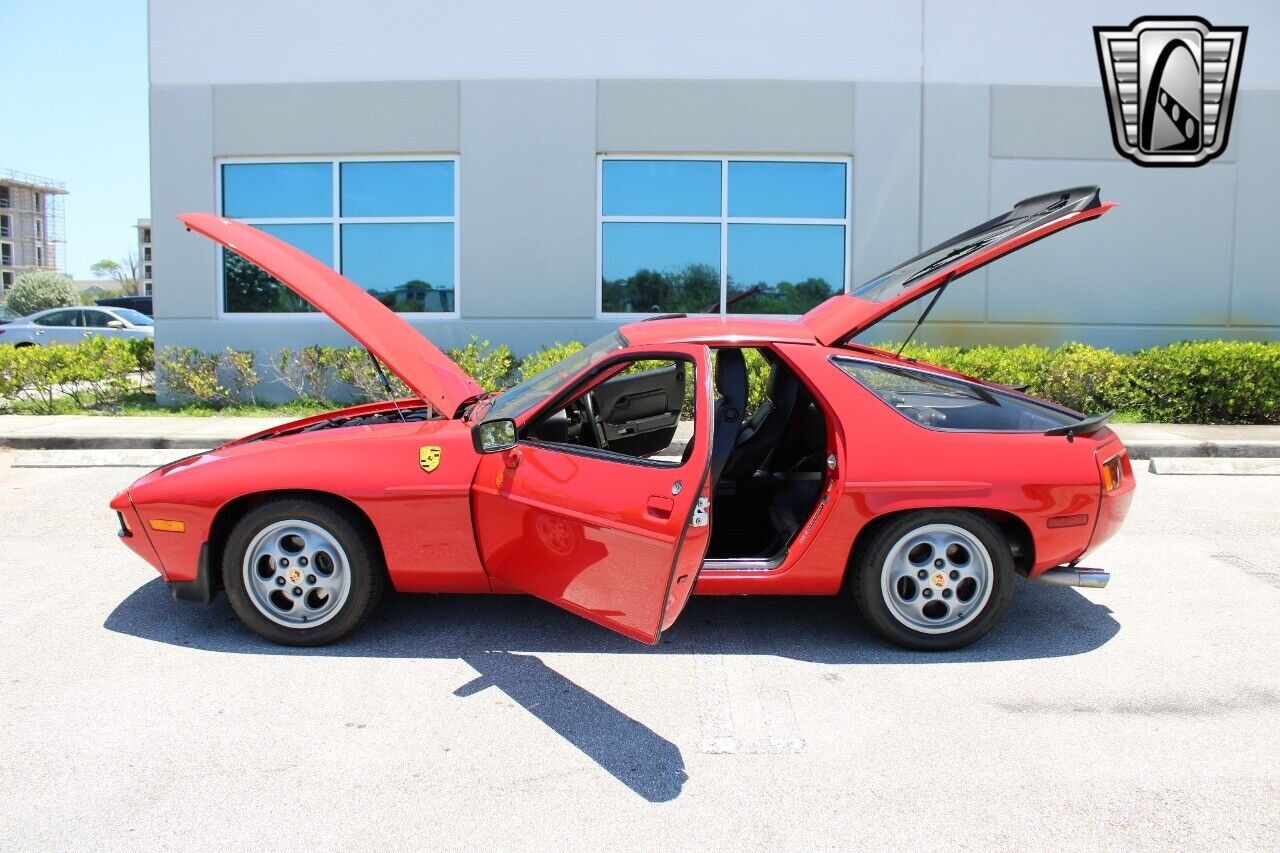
870,563
364,563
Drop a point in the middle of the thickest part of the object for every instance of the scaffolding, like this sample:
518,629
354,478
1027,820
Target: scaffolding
31,222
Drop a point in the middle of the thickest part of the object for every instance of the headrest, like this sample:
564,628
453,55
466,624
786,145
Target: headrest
731,374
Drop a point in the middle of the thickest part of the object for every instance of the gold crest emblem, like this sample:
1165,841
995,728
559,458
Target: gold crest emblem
429,457
939,580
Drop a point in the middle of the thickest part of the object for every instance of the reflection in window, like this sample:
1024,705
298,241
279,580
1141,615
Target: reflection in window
660,268
665,226
406,260
783,269
405,266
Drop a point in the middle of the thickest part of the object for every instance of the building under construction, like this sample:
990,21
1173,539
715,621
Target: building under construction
31,225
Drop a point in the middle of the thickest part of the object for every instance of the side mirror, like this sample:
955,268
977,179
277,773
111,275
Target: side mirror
115,324
494,436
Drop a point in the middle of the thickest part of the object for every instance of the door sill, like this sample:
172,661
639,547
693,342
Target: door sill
744,564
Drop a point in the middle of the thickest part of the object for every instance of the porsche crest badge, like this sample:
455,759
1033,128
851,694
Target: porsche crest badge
429,457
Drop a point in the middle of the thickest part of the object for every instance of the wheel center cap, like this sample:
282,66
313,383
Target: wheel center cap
294,576
939,580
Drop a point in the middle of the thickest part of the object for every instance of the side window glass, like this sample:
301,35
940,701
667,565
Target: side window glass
939,402
97,319
643,412
58,318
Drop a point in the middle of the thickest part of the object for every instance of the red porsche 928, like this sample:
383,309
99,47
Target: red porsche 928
630,475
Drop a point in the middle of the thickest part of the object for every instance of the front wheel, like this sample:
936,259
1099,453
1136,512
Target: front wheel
301,572
935,580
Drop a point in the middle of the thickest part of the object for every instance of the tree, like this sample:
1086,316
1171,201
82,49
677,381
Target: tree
40,289
123,272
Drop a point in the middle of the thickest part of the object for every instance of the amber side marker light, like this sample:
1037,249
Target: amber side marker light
168,526
1112,473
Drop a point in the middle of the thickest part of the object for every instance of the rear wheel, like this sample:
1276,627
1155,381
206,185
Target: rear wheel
302,572
935,580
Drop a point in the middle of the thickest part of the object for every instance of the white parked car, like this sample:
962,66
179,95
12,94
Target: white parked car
72,325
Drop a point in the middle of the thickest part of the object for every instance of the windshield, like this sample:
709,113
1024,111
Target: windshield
540,386
136,318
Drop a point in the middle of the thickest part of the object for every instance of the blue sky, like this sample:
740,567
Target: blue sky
76,111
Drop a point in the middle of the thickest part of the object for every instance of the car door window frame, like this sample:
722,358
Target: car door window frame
600,373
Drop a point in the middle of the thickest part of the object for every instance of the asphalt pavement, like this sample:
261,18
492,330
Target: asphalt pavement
1142,716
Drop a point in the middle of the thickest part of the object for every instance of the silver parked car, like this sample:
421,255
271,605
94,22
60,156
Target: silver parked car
72,325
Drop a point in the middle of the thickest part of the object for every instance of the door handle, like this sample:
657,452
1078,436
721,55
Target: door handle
659,506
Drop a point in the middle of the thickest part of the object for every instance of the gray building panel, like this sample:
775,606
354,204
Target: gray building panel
725,116
392,117
528,199
886,177
956,180
1255,275
1162,258
182,168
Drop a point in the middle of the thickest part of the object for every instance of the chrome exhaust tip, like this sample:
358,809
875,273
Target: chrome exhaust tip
1076,576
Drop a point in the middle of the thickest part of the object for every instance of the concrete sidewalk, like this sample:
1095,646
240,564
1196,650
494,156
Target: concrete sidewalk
79,432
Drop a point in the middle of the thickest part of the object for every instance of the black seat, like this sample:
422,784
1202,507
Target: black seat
761,433
731,384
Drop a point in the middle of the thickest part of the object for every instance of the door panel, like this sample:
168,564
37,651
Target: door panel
639,411
599,534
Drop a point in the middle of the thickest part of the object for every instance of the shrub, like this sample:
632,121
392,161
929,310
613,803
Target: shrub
40,289
191,375
490,367
539,360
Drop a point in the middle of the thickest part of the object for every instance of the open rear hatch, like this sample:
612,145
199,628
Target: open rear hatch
841,317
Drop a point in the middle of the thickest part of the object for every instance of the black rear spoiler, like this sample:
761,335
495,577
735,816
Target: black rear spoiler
1088,426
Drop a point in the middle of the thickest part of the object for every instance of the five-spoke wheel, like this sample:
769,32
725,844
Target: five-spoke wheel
301,571
936,579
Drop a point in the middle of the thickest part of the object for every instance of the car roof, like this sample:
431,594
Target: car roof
733,330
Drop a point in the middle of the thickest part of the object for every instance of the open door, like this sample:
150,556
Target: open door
587,511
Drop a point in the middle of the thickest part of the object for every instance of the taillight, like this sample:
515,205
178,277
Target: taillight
1112,474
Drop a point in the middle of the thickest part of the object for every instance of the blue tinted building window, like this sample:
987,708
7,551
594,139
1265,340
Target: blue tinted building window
394,232
661,187
405,188
277,190
702,235
405,266
791,190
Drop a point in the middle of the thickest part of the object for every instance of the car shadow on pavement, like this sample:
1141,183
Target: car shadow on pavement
500,637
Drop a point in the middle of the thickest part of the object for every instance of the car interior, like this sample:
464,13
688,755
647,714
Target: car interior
768,456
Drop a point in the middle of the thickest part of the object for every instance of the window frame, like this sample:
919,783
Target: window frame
335,220
724,220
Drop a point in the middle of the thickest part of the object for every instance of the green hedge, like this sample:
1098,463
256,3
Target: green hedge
1196,382
1210,382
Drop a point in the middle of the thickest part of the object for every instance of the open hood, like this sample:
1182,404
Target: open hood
424,368
843,316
